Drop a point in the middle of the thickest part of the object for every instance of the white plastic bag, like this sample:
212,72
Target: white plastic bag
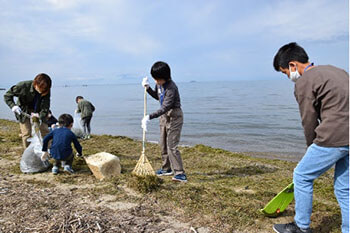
31,158
77,128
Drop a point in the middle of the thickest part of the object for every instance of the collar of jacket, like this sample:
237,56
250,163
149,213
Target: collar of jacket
167,83
33,91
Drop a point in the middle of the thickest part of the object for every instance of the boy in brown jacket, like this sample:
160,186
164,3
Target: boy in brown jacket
170,122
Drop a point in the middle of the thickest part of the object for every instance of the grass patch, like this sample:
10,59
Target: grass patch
15,169
146,184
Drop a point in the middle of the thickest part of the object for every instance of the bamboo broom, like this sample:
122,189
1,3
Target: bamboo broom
143,166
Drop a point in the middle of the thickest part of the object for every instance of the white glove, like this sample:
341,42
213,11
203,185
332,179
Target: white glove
35,115
16,109
144,122
76,111
45,156
145,82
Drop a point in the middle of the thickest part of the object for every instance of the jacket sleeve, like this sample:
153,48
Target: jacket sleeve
77,144
168,102
153,93
46,140
45,106
309,117
8,97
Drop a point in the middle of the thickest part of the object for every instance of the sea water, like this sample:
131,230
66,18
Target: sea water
260,118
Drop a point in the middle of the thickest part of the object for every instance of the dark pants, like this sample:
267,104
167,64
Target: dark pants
67,161
85,123
170,131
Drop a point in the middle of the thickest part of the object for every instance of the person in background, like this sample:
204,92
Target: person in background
33,100
170,122
322,93
61,148
86,109
51,121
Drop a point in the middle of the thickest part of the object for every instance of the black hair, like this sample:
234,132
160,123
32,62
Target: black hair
78,98
161,70
65,120
287,53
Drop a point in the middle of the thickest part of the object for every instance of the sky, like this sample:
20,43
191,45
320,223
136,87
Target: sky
117,41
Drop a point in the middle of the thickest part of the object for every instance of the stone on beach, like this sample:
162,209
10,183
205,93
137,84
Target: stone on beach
103,165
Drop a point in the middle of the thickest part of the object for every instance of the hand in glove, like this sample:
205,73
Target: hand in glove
144,122
16,109
45,156
34,115
145,82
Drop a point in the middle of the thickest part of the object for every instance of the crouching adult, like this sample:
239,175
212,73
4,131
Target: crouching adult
33,100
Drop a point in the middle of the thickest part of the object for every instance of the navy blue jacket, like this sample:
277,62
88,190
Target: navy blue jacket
61,147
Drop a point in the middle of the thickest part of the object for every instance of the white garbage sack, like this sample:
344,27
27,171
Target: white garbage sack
77,128
31,158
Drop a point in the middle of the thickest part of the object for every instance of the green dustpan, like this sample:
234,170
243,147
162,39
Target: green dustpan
280,202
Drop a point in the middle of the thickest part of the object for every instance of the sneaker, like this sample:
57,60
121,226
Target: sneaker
68,169
180,178
55,170
290,228
161,172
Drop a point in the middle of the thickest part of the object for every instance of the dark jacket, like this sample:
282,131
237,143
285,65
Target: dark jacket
51,120
61,147
171,98
86,108
29,100
323,97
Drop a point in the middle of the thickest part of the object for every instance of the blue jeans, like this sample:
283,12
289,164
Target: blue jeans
316,161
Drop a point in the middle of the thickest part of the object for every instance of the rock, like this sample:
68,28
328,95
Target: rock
103,165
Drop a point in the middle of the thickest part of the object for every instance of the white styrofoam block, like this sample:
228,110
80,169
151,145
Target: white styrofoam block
103,165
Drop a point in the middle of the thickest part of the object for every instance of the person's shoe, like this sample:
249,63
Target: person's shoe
88,136
55,170
68,169
161,172
180,178
290,228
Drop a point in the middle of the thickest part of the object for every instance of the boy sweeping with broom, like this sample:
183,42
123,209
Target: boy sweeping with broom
171,120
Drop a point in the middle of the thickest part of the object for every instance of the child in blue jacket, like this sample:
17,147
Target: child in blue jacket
61,148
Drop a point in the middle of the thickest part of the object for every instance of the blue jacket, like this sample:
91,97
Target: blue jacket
61,147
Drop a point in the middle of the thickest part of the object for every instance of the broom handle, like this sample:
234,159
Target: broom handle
144,114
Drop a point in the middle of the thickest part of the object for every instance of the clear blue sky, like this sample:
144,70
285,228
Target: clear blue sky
111,41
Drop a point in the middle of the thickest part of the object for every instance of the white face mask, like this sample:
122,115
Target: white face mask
294,75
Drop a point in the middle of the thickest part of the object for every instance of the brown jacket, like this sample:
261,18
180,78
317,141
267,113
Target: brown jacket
323,97
171,98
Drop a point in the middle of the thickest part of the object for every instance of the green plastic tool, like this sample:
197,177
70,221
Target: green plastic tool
280,202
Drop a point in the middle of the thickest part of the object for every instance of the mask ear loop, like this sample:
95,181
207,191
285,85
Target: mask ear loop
290,69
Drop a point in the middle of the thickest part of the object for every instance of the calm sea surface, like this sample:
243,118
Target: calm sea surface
258,117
